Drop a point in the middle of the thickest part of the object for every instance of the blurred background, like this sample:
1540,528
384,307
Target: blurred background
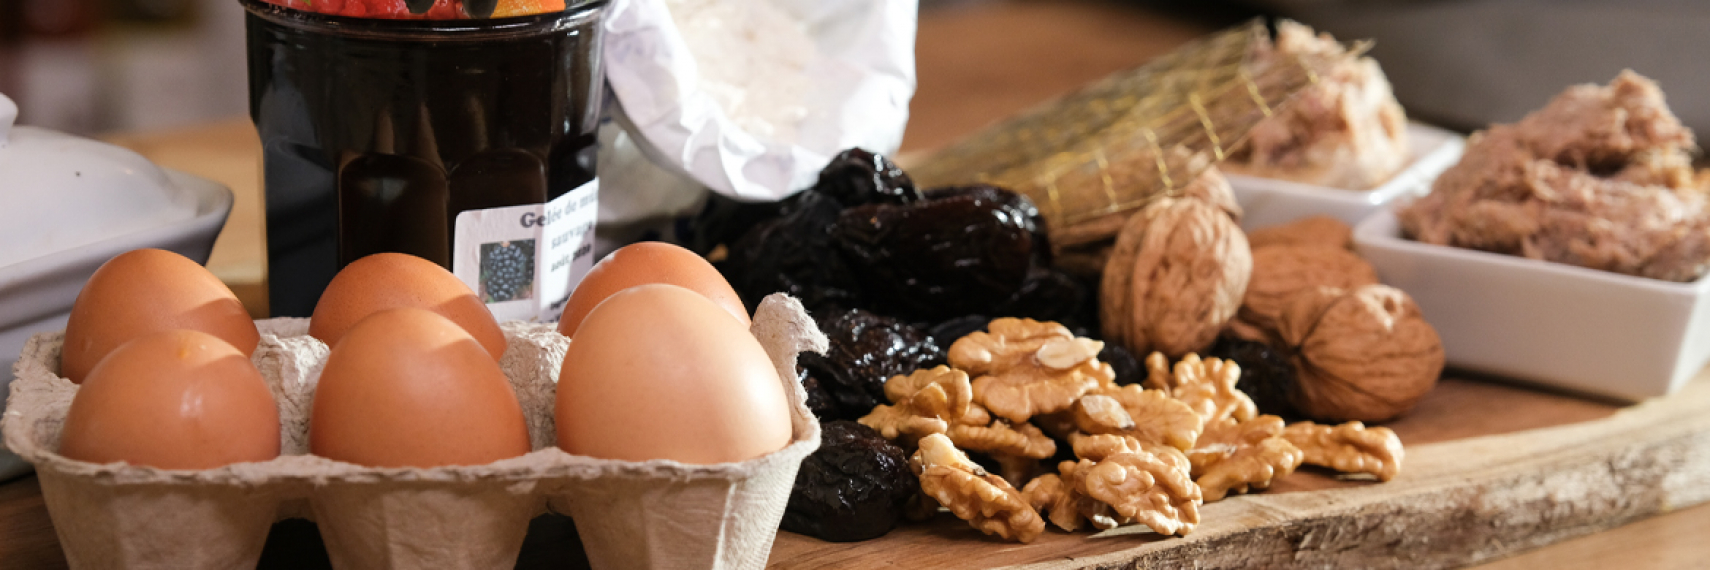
92,66
100,66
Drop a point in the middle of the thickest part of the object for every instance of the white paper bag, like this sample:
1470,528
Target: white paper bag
851,89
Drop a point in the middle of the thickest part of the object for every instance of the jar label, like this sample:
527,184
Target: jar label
522,261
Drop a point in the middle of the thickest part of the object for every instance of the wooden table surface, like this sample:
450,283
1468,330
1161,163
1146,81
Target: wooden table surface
978,62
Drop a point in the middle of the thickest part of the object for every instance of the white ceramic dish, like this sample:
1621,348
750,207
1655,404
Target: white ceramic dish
36,294
1268,202
1548,323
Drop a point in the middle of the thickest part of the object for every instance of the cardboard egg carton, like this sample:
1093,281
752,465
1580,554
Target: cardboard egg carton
651,514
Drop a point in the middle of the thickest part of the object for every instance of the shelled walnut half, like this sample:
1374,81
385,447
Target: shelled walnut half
1238,456
1024,367
1207,385
1017,448
1350,448
985,500
1144,487
1060,499
1156,417
923,402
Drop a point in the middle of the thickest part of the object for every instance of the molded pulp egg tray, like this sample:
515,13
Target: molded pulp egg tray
652,514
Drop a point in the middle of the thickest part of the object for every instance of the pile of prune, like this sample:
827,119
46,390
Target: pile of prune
856,177
794,253
855,487
865,350
960,251
864,237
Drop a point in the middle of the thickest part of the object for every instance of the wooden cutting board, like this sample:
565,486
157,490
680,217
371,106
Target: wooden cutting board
1491,470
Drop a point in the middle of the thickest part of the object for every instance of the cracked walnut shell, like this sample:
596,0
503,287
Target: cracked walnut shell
1364,354
985,500
1175,277
1025,367
1350,448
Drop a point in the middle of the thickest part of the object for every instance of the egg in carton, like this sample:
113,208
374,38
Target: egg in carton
649,514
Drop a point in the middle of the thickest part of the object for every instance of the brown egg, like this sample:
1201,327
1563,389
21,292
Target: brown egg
146,291
409,388
177,399
395,280
648,262
661,372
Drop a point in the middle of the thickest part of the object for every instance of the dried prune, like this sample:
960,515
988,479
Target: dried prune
853,488
1267,376
1051,295
963,250
1127,367
794,253
1013,204
818,400
947,332
856,176
866,350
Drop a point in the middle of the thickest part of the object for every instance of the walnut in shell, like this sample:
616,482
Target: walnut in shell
1175,277
1317,230
1282,271
1364,354
985,500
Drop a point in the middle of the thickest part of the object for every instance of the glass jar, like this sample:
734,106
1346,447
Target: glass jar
466,142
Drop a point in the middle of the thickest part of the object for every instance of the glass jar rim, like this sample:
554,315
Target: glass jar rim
575,14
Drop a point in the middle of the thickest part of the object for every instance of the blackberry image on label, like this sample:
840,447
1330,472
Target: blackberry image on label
507,271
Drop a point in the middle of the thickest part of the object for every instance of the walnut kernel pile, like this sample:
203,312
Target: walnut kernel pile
1150,453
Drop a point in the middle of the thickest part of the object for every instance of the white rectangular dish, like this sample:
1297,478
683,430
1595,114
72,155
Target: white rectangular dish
1268,202
1547,323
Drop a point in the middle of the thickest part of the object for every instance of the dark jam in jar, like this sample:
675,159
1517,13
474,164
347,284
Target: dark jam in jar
376,134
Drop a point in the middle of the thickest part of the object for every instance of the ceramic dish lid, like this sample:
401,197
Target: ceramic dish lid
58,191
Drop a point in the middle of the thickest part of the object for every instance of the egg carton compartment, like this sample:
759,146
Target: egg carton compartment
650,514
